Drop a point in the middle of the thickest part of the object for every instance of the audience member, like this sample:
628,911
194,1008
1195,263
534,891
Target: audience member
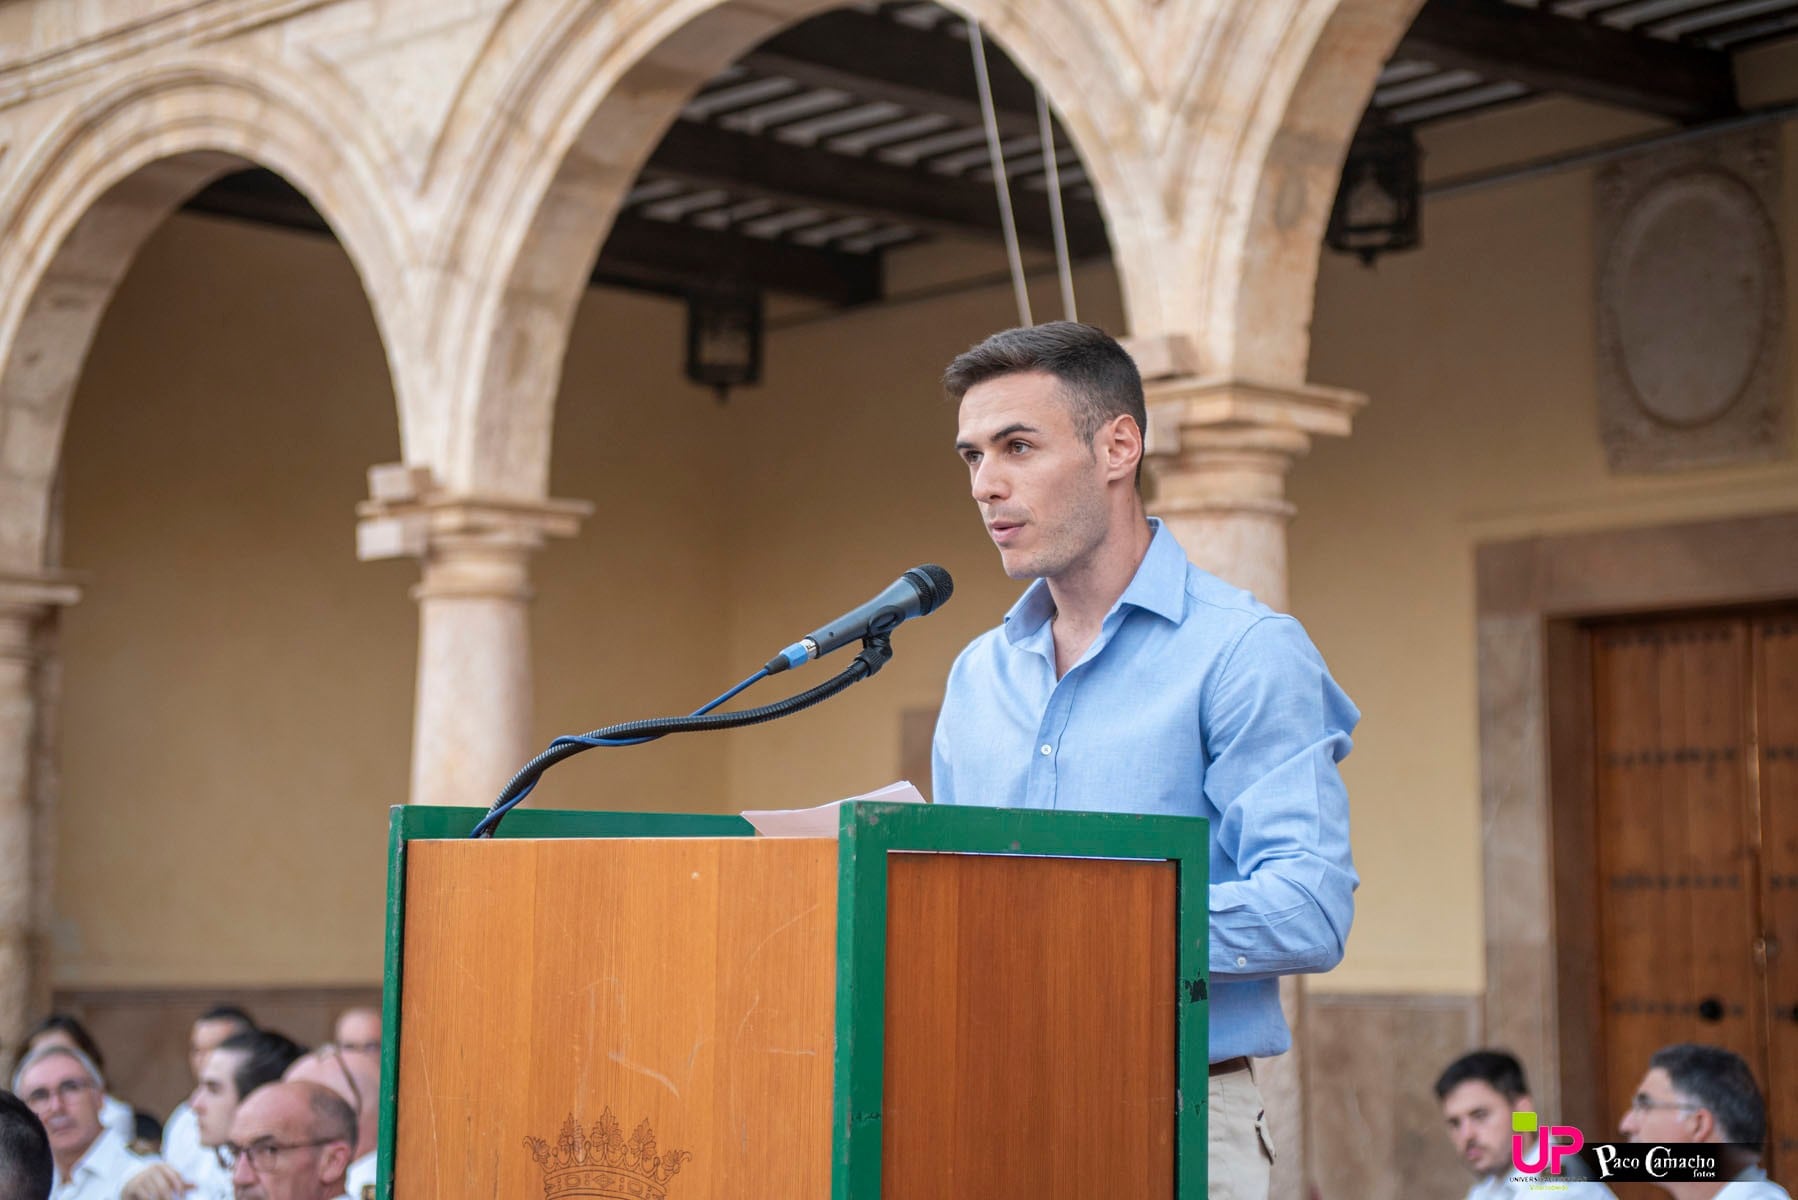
290,1141
1698,1093
1479,1092
359,1031
141,1129
27,1172
181,1148
63,1088
356,1078
242,1063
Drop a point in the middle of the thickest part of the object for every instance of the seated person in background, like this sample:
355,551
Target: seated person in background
27,1172
1479,1092
356,1078
290,1141
63,1089
241,1064
141,1129
1698,1093
359,1031
181,1148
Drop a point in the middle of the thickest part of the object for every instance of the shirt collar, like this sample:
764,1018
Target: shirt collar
1159,586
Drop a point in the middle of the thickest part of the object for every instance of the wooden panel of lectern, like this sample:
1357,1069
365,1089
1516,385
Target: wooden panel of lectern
938,1002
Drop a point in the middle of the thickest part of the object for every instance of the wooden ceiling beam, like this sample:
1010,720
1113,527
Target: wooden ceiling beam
1497,41
639,253
766,167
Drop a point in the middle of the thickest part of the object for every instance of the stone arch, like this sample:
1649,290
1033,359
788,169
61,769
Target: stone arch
1271,204
105,176
596,91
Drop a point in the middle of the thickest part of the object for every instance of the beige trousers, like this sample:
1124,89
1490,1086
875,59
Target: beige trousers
1240,1155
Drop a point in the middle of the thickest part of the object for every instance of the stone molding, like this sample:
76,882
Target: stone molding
471,546
1691,306
24,601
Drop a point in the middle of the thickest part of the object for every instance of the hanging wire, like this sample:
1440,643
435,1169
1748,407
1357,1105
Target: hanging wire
1000,183
1064,266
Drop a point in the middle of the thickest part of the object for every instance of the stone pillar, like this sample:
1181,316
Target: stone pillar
472,715
1220,450
25,604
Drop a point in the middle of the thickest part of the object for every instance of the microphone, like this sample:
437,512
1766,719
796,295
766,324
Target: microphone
920,590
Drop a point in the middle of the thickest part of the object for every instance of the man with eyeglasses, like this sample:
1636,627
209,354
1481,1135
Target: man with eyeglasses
356,1077
1696,1093
241,1064
1478,1093
290,1141
64,1089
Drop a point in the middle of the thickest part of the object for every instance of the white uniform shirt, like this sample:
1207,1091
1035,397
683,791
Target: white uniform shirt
1753,1184
361,1175
102,1171
181,1147
117,1116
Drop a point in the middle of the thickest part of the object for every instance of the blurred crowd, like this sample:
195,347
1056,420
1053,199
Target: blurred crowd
267,1119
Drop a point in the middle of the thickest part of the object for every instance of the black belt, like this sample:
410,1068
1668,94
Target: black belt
1230,1066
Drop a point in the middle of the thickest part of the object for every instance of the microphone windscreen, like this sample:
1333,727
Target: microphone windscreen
934,584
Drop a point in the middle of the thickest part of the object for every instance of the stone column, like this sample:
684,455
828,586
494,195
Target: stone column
25,604
1220,450
472,714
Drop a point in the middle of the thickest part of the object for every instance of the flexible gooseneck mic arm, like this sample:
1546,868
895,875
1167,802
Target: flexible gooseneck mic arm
876,650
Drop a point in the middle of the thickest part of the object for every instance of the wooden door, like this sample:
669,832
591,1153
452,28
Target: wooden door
1697,847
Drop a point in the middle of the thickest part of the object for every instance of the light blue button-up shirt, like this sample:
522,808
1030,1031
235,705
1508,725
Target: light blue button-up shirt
1196,700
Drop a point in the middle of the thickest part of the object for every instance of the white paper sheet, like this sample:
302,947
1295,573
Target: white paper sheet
822,820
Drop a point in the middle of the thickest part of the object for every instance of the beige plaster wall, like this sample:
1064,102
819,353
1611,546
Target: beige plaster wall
1478,353
239,687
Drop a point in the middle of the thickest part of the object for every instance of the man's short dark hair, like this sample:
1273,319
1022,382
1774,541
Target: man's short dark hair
333,1120
27,1170
1719,1080
266,1057
228,1012
1098,376
1497,1069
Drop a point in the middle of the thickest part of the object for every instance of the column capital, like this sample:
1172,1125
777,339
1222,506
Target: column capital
38,592
1185,410
408,515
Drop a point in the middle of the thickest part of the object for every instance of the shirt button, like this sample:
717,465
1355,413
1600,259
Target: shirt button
1241,961
1048,749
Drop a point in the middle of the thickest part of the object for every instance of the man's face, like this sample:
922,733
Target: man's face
1660,1114
205,1039
359,1032
215,1099
1039,484
273,1129
1479,1124
66,1099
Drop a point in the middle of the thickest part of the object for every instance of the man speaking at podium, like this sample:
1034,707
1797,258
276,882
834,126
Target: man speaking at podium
1125,679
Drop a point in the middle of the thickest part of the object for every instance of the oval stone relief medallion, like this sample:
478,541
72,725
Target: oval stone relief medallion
1690,308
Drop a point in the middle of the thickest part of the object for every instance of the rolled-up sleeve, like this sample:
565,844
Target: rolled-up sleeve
1276,726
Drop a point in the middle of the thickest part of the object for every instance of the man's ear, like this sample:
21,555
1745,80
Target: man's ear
1120,444
334,1162
1524,1103
1705,1126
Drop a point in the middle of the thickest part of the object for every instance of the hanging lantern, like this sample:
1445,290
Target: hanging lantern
724,338
1377,207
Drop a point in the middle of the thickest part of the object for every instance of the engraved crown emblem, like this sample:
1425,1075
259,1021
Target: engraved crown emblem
602,1164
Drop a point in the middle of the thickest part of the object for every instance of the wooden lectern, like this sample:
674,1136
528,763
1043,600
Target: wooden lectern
942,1002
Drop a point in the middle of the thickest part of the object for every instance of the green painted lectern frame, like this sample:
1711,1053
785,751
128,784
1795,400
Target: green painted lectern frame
868,833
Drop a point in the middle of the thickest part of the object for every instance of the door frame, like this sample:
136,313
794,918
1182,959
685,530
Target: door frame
1536,782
